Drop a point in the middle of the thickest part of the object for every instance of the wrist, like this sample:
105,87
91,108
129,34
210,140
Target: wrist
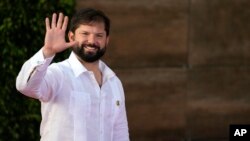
47,53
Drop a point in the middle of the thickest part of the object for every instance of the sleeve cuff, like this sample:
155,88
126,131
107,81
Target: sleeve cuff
40,62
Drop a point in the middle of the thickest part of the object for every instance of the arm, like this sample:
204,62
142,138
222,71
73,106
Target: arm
121,124
31,79
34,79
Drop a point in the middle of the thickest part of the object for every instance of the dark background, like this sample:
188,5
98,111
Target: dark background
22,30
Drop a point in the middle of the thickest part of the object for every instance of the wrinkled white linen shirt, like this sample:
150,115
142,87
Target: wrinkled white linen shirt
74,107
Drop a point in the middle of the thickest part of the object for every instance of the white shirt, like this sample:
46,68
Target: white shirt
74,107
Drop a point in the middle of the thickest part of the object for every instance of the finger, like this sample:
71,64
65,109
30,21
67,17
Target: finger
53,23
47,24
65,23
59,22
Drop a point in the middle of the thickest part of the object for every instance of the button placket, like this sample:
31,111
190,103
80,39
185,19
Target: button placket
102,102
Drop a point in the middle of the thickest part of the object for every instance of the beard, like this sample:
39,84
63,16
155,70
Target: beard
89,56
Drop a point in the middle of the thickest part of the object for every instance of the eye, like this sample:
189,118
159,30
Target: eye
99,35
85,33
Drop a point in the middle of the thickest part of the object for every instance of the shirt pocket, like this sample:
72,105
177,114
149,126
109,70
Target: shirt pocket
79,104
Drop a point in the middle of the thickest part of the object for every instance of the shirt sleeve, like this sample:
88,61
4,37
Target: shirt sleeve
121,132
35,79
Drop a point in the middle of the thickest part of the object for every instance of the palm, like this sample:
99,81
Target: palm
55,39
55,34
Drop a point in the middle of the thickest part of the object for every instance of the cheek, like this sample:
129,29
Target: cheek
80,40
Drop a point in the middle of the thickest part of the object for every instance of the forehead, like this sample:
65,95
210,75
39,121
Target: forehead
92,27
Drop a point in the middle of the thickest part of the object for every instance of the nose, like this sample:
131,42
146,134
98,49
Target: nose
91,39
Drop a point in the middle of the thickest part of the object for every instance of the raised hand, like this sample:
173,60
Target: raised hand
55,36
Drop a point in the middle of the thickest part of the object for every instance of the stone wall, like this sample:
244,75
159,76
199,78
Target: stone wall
185,65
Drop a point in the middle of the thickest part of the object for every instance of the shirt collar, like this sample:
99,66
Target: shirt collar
78,68
76,65
107,73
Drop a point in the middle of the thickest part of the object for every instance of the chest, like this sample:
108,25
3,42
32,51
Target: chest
84,95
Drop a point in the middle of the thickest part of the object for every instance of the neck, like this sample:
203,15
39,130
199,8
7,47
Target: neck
93,66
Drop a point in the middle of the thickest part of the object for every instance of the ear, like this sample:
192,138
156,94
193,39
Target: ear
107,41
71,36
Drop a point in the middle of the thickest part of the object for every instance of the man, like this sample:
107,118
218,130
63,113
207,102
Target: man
81,98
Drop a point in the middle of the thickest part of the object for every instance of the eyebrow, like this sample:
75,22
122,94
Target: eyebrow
97,33
84,31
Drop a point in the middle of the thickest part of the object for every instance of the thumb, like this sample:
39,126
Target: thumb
72,44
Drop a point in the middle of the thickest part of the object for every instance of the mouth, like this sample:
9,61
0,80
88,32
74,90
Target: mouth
89,47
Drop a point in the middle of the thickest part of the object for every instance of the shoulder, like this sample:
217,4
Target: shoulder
60,65
58,69
117,84
117,80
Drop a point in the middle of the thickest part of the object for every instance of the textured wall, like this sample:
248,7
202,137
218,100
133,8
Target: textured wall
184,65
219,73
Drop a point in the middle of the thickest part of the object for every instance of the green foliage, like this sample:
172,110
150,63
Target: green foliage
22,31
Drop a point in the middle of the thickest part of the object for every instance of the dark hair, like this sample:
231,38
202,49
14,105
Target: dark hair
87,16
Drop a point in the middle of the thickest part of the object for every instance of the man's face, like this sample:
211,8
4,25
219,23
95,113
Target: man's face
92,40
